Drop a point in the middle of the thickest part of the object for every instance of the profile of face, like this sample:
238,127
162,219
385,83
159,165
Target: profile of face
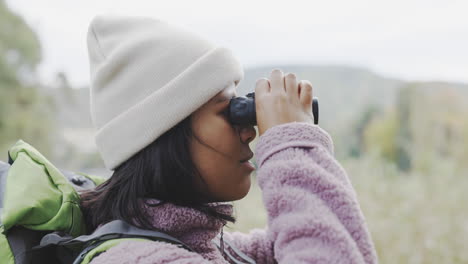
218,147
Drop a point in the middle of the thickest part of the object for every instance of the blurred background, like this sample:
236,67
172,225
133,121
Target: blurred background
392,79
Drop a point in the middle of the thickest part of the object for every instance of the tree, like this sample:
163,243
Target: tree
357,139
405,98
25,110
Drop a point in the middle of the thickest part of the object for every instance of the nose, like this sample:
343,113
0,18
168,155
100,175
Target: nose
247,134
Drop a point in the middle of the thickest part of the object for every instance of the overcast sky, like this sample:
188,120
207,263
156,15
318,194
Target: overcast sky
406,39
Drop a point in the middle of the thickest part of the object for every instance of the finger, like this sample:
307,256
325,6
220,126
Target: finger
262,86
306,93
291,85
277,81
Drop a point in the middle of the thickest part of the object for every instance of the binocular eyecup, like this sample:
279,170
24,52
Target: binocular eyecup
242,110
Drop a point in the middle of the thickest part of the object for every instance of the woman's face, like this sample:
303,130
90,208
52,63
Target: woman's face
218,148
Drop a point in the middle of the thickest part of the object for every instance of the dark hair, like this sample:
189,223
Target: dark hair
163,170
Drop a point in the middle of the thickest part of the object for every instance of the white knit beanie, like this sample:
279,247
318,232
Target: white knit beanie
147,76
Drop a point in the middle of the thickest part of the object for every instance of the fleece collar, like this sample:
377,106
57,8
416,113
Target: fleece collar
193,227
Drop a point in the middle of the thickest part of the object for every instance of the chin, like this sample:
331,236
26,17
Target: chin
239,191
243,190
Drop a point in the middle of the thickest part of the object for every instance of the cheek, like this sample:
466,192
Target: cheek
216,155
225,179
218,134
217,130
218,162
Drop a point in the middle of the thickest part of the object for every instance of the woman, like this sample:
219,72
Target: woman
159,97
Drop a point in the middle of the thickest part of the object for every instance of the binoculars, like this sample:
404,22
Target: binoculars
242,110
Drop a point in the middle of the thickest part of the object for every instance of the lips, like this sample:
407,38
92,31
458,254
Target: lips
248,158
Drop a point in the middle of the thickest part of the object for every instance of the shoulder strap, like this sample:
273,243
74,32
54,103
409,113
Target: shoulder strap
119,229
116,229
112,230
93,250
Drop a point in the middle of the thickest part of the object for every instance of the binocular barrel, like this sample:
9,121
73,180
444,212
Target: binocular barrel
242,110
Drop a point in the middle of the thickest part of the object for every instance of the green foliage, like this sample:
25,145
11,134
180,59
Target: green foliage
425,125
413,217
405,98
357,138
380,136
390,135
19,44
25,111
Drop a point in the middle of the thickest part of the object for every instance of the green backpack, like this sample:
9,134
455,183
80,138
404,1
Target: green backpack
40,217
41,221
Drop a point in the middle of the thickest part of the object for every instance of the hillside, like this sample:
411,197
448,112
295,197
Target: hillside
343,92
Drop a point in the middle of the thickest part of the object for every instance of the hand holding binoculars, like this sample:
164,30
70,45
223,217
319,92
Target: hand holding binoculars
242,110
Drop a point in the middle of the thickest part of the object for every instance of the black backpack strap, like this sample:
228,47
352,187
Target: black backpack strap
112,230
20,240
120,229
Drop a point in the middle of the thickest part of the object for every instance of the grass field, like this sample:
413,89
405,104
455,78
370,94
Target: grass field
413,218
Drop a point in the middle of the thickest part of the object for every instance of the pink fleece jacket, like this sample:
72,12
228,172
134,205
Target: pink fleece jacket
313,212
